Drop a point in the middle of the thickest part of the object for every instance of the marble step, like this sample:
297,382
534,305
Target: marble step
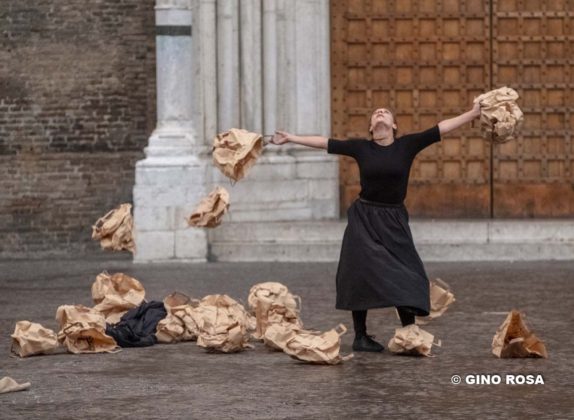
436,240
328,251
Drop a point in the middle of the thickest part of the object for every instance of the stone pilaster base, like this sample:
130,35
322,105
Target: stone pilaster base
167,190
297,185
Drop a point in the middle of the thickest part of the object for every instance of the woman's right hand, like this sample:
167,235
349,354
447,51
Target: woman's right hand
281,137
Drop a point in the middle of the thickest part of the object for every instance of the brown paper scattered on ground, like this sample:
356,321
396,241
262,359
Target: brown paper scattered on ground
83,330
272,303
306,345
179,324
413,341
514,339
115,294
223,324
8,384
30,338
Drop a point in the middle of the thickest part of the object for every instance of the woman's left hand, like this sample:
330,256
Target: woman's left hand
476,110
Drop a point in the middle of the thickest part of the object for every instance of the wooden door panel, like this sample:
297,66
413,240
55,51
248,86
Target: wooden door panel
425,60
533,176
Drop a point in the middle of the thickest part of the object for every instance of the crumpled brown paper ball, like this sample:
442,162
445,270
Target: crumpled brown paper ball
271,303
116,294
30,338
412,340
223,324
500,116
235,151
441,297
179,324
114,229
83,330
307,345
210,210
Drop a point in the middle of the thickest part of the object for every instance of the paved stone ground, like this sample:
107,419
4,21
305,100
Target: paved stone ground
183,381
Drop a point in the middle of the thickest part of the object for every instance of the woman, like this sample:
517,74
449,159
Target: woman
379,265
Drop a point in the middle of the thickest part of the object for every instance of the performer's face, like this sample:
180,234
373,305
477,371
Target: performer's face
382,117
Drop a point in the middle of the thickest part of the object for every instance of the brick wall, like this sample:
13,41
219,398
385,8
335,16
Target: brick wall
77,104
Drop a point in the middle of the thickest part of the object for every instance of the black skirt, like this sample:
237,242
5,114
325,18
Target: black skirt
379,265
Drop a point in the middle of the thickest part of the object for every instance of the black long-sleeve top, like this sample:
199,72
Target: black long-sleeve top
384,170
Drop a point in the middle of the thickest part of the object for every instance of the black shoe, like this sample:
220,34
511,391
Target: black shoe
366,343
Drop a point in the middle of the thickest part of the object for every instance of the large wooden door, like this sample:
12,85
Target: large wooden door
427,60
533,52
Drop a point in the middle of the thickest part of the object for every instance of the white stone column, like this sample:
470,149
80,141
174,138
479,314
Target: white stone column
228,90
205,47
312,66
171,180
174,130
261,65
273,73
251,65
270,66
310,84
289,182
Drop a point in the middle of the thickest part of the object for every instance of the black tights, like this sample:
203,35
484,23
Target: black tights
360,323
360,320
406,315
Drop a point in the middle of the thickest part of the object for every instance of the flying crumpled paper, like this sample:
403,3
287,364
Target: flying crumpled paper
500,116
235,151
307,345
210,210
223,324
115,294
83,330
514,339
114,229
272,303
441,298
413,341
30,338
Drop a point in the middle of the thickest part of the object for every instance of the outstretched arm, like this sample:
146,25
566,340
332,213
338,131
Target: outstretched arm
446,126
282,137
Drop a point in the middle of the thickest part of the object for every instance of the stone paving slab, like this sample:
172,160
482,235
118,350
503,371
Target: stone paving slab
183,381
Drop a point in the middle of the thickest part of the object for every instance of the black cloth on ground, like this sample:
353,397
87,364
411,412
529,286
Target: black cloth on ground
137,326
